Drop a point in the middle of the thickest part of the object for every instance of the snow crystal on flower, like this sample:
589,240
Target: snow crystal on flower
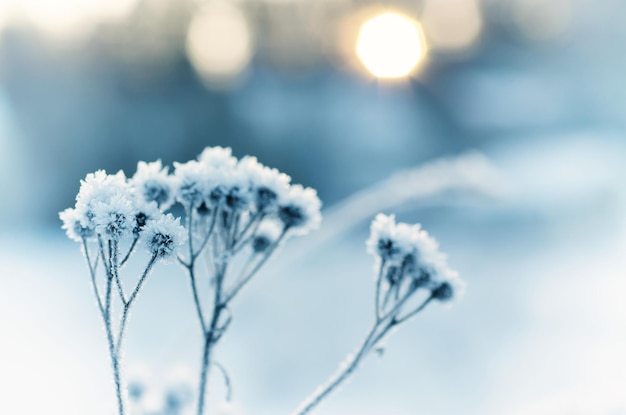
390,241
217,157
191,183
268,233
164,236
153,184
115,217
267,185
98,187
299,209
408,250
73,225
144,213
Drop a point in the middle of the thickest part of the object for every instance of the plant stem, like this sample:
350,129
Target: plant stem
379,330
227,383
111,341
115,362
131,299
210,339
341,376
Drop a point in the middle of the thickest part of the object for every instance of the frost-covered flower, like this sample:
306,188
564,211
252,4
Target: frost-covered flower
266,185
299,209
144,213
217,158
73,225
447,285
233,188
408,251
191,180
164,235
389,240
97,188
267,234
153,184
101,187
115,218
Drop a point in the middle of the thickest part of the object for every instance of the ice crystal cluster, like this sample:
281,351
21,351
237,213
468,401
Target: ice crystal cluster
237,212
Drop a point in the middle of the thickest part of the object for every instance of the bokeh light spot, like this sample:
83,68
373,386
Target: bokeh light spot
219,42
452,24
391,45
540,20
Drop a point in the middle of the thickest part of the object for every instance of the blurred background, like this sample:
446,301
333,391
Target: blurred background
340,94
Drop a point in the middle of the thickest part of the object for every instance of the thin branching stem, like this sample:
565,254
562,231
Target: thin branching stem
196,298
92,273
243,239
190,230
115,361
402,319
206,237
234,228
381,328
211,335
115,267
129,303
378,288
245,280
352,363
130,250
105,260
227,382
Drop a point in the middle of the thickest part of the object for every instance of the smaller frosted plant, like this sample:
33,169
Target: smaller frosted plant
411,273
111,215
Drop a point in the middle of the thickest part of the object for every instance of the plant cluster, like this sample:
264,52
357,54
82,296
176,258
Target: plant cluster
237,213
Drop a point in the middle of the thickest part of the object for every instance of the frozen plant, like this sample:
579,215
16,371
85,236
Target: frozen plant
234,208
411,273
238,212
111,215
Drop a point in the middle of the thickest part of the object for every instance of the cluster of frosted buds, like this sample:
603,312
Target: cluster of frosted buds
235,206
246,203
409,262
110,209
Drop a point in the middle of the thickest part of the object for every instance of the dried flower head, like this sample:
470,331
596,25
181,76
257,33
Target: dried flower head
73,225
299,209
164,235
217,157
409,252
266,185
266,235
152,183
191,178
115,218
